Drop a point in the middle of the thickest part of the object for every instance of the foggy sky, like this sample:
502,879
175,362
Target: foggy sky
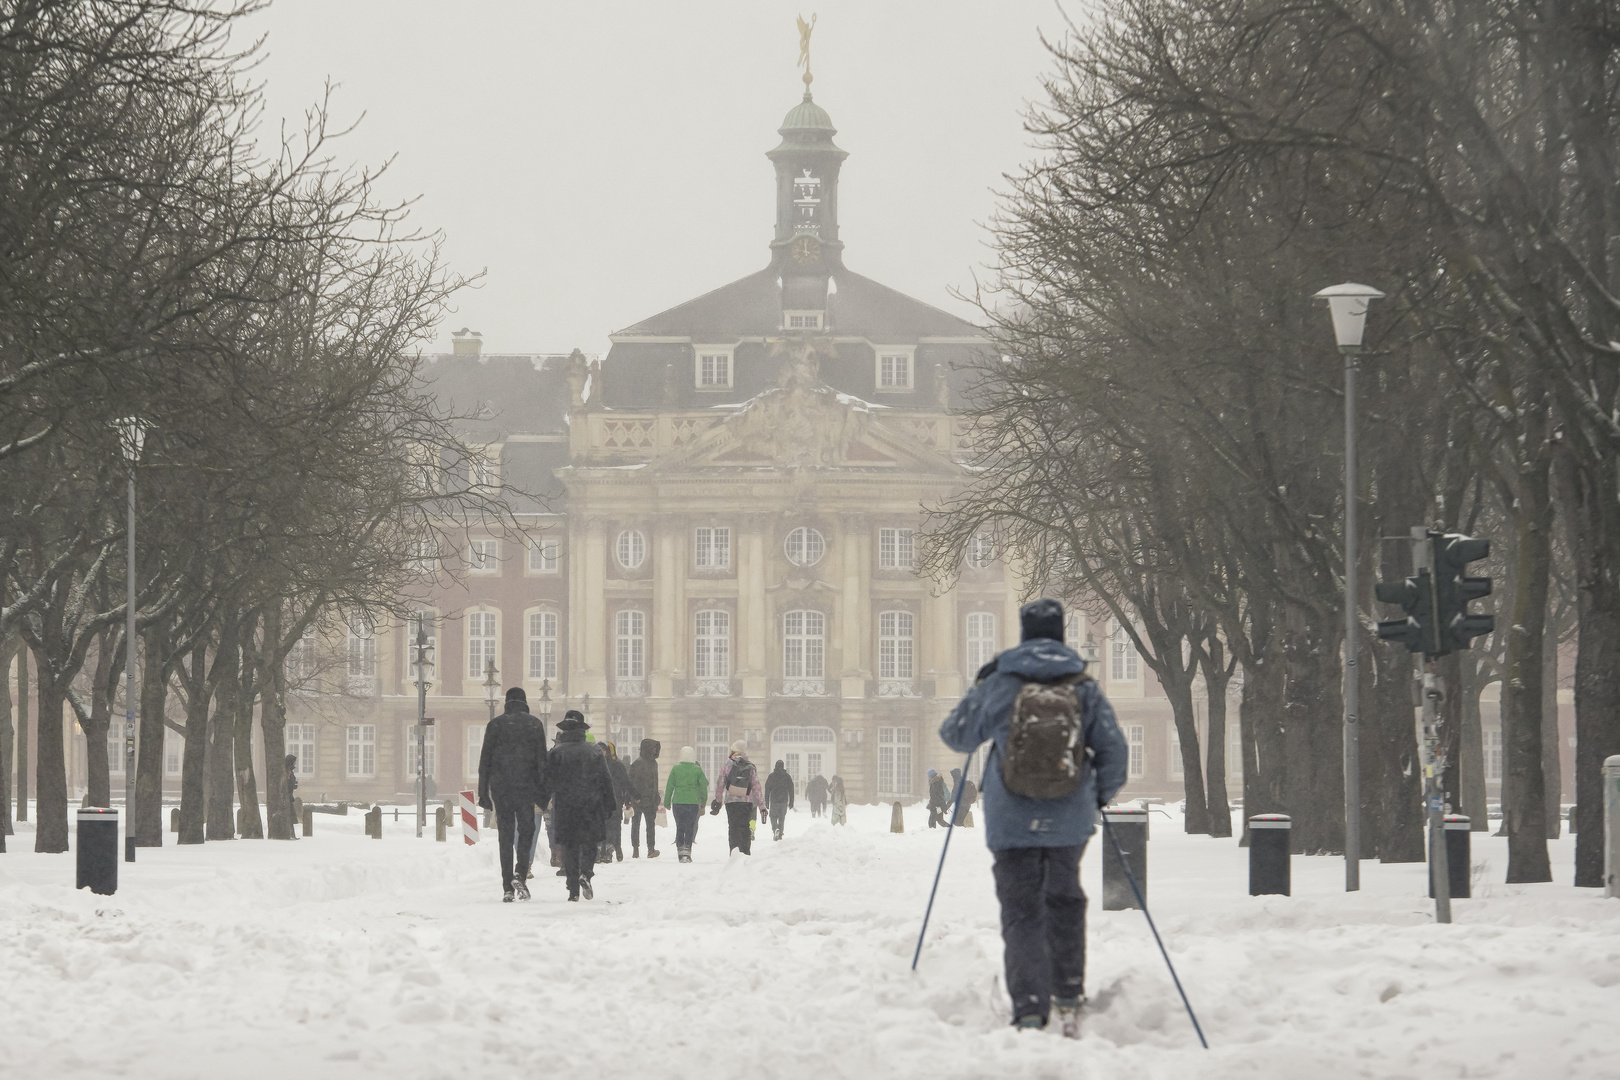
606,160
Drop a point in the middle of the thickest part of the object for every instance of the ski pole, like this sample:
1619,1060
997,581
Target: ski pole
1142,900
961,785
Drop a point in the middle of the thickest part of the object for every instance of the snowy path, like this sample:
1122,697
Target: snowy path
340,956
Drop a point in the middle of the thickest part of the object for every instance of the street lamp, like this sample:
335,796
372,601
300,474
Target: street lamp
131,437
545,699
1348,305
423,662
492,686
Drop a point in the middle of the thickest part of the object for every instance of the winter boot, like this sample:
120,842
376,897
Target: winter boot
507,897
1068,1011
522,890
635,852
1030,1023
653,853
686,853
618,854
585,889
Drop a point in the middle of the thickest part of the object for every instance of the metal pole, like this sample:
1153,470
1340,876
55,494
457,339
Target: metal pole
421,728
1429,745
129,689
1352,672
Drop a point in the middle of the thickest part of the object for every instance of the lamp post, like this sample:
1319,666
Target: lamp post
492,686
131,436
545,700
423,662
1348,305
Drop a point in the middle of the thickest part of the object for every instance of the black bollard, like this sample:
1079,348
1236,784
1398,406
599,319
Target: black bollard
97,844
438,823
1458,844
1269,870
1130,829
174,819
309,820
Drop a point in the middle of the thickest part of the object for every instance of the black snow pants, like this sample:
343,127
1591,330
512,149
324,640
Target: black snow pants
579,864
636,818
687,816
1043,925
778,819
738,836
515,822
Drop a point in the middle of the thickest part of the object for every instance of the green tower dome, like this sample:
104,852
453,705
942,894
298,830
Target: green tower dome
807,116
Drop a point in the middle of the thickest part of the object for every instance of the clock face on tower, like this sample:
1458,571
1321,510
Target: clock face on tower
805,250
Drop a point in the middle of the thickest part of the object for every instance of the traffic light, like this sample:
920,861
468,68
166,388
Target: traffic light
1454,589
1415,595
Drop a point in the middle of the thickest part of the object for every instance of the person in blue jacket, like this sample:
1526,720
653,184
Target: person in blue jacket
1037,843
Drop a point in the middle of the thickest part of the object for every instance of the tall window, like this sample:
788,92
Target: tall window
631,549
1493,753
174,750
475,749
804,546
362,647
895,548
1234,751
1176,770
484,556
630,651
301,660
301,743
429,732
542,645
1124,663
981,551
712,645
895,645
1136,737
894,371
804,645
713,747
712,549
115,745
981,641
713,369
483,471
480,642
413,626
894,761
543,556
422,555
362,750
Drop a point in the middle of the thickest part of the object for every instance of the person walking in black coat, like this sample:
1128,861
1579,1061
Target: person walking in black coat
816,792
644,797
580,792
778,798
939,799
511,773
613,826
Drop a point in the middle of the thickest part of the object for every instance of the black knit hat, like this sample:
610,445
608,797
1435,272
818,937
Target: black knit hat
1041,618
516,694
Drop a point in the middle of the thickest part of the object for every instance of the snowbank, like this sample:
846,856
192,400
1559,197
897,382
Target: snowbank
341,956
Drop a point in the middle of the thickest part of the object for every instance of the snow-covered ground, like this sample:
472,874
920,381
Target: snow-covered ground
342,956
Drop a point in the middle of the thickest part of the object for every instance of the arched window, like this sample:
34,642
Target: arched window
1124,665
711,639
981,551
981,641
542,645
631,549
630,641
804,546
804,645
896,647
480,643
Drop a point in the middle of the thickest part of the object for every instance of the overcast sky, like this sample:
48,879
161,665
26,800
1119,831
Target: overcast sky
601,161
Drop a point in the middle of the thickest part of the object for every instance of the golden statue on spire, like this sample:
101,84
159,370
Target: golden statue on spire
804,48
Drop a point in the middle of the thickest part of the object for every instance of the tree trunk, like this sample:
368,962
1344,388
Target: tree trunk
1472,763
51,833
221,759
148,819
1449,668
22,732
97,727
7,738
273,728
1524,803
1552,766
194,764
1216,679
1179,693
1260,712
247,788
1314,737
1394,787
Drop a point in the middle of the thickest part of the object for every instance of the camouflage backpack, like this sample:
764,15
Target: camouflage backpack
1045,744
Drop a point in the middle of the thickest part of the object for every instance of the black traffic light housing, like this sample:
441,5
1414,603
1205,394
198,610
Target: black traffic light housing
1437,618
1454,590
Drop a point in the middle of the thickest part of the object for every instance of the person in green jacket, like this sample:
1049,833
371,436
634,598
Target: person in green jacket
684,795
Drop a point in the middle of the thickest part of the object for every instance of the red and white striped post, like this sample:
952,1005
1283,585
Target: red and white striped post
469,818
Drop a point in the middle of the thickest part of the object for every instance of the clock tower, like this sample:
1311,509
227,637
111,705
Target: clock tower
806,248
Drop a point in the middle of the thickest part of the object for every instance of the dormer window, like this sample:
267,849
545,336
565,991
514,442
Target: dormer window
801,320
713,370
896,368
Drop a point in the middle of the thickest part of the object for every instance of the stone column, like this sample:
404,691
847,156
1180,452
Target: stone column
592,615
666,569
753,630
856,603
943,633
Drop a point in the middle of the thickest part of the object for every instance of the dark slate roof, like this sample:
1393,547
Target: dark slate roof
752,307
